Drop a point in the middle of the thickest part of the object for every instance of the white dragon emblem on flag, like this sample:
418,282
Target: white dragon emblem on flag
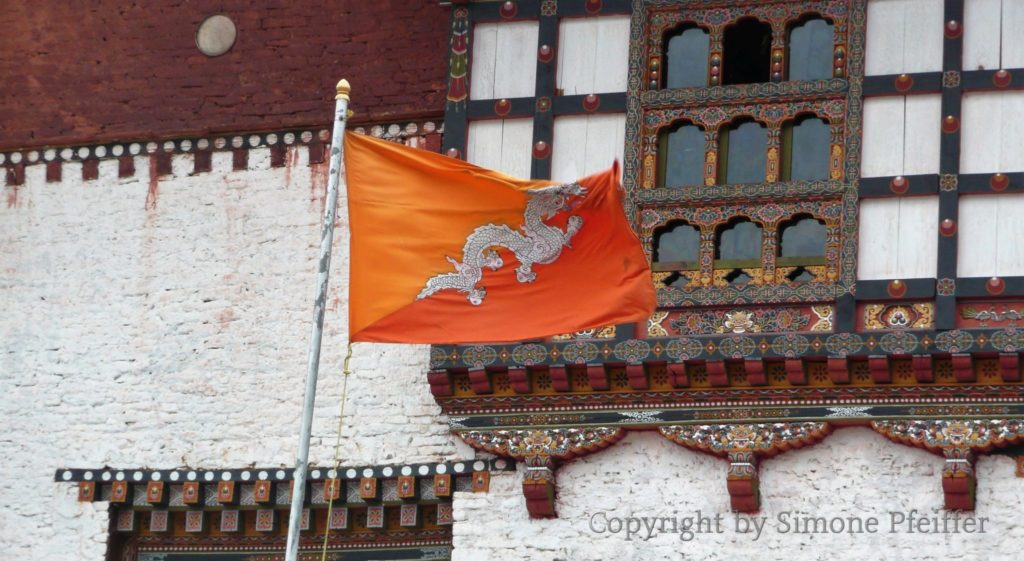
538,243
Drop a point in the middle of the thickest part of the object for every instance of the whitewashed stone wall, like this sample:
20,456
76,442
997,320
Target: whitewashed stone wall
176,335
854,472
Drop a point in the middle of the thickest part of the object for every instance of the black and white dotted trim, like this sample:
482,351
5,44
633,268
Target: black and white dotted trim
226,142
106,475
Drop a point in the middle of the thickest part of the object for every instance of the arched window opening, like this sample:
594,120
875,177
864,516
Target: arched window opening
802,237
809,50
800,274
681,156
677,243
747,52
739,240
805,149
685,59
742,152
738,277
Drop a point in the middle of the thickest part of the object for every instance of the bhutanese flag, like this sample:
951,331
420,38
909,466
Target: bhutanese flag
443,251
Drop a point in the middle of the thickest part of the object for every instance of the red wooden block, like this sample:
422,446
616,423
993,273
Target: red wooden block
678,376
369,489
519,379
795,372
125,166
838,370
597,376
226,492
755,372
963,368
879,367
407,487
637,376
440,383
443,485
716,373
480,381
86,491
560,379
1009,365
923,371
262,492
190,494
155,492
90,170
332,489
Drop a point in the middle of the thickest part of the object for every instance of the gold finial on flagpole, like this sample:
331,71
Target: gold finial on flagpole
343,90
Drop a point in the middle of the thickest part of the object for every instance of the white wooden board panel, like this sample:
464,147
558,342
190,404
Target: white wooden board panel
577,57
568,150
981,125
1009,243
878,239
612,60
923,35
515,67
904,36
976,235
884,49
918,244
882,152
1012,33
923,116
981,34
485,49
516,147
483,143
586,144
605,142
1011,137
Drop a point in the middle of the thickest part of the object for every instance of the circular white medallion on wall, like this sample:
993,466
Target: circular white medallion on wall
216,35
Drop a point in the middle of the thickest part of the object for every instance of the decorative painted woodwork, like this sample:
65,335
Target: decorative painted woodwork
959,441
542,451
744,445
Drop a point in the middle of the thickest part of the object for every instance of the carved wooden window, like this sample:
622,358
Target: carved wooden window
681,151
805,149
677,244
809,50
748,53
743,152
750,155
686,56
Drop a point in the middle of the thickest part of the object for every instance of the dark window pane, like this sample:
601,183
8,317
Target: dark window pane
810,51
679,243
682,157
747,52
740,241
686,59
808,152
805,238
738,277
747,153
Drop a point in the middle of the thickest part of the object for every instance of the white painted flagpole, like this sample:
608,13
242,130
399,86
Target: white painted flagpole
324,267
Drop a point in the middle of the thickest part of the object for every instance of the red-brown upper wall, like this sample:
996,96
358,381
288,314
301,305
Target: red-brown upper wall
84,72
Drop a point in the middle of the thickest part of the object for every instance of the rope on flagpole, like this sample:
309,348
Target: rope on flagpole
337,448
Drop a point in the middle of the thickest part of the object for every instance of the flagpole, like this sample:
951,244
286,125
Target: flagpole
313,367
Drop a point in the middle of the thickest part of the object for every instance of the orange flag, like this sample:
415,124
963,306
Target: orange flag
443,251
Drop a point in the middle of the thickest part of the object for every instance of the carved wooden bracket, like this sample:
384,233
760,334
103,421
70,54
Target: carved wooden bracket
542,450
744,445
959,442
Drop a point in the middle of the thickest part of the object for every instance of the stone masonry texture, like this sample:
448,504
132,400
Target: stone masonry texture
87,72
175,334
